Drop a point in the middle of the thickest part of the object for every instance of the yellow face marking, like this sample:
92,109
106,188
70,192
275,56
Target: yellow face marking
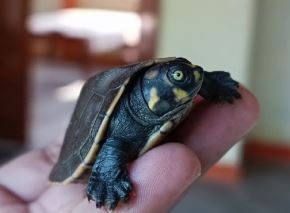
192,65
196,76
180,94
154,98
151,74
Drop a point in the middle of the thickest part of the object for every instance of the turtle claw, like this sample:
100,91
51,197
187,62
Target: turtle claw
99,204
110,191
113,205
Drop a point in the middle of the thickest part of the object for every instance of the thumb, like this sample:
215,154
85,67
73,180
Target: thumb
161,176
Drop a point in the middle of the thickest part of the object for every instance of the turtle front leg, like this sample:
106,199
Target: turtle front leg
218,86
109,182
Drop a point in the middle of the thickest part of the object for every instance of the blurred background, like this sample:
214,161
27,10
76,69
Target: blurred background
49,48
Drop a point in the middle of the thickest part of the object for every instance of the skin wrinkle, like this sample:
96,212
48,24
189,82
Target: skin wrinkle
37,207
37,174
50,155
75,192
15,209
7,197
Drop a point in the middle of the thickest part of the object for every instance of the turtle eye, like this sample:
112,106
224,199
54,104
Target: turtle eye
178,75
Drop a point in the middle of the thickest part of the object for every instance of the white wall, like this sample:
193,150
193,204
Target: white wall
271,68
214,34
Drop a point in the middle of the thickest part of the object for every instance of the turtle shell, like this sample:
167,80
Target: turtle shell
90,119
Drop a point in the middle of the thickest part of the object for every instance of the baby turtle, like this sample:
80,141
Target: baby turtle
125,111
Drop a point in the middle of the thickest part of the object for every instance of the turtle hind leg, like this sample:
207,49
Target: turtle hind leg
218,86
109,182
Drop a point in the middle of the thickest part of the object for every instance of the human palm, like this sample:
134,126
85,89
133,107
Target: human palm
159,177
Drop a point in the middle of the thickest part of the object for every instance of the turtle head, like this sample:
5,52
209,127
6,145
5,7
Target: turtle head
168,85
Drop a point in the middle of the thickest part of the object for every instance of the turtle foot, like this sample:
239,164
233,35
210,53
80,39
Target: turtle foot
221,87
108,190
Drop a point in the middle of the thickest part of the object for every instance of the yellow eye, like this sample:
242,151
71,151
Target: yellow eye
178,75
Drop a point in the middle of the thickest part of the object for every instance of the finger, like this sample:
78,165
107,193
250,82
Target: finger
27,175
59,198
10,203
164,173
159,178
7,198
19,208
212,129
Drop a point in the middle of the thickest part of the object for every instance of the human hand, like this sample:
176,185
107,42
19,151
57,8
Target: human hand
159,177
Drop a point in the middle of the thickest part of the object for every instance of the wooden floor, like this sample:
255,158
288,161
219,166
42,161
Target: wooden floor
262,191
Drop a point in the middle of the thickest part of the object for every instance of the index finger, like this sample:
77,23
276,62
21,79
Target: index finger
212,129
